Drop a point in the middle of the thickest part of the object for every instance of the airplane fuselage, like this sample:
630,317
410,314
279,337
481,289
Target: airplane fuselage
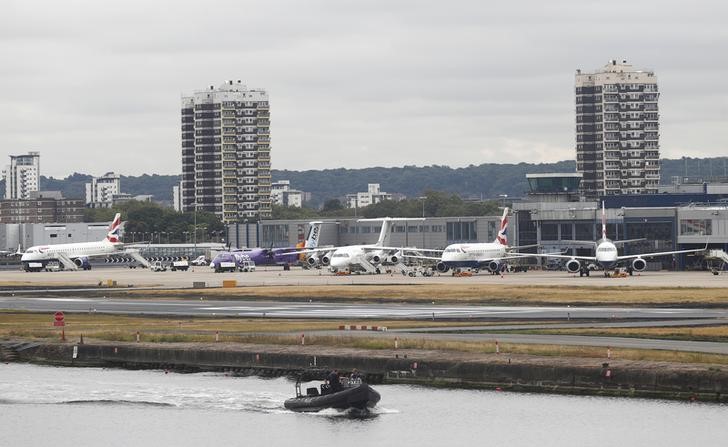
344,258
73,251
606,254
472,255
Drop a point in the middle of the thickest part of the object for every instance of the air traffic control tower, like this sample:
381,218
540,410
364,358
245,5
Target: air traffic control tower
554,187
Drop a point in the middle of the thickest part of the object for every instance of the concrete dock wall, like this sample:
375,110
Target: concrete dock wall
518,373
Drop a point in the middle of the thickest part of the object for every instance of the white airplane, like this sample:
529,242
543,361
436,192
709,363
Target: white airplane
76,255
365,258
9,253
607,257
477,256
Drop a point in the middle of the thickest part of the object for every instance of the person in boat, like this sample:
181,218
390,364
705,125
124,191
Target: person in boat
355,377
333,379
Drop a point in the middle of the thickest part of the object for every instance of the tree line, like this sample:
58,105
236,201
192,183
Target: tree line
151,222
432,204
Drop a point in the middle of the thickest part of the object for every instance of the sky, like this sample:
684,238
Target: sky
95,86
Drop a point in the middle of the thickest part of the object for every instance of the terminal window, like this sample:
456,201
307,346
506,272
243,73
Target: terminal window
696,227
461,231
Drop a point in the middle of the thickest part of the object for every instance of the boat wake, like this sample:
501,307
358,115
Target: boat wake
115,402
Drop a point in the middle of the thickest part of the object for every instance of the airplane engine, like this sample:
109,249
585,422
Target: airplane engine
394,259
494,266
312,260
442,267
325,259
639,265
573,266
376,259
82,262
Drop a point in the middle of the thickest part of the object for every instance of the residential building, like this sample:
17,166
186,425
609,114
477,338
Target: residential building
101,191
226,152
371,196
617,131
22,176
41,209
282,194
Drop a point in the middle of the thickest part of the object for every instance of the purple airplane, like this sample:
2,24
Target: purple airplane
240,259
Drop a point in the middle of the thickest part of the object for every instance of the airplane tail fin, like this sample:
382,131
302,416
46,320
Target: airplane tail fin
384,232
502,237
114,234
604,222
314,232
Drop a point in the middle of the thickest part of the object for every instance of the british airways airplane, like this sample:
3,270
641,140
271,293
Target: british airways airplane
607,257
484,255
76,255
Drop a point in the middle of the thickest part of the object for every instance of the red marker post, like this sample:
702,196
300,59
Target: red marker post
59,320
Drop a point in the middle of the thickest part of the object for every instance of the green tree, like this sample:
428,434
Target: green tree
332,205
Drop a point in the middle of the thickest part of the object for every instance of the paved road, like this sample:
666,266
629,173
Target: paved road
298,277
570,340
345,311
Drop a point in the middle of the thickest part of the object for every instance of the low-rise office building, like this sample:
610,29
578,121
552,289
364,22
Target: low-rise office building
433,232
45,207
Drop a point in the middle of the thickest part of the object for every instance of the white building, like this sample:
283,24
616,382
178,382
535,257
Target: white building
22,176
226,152
101,191
371,196
282,194
617,130
177,197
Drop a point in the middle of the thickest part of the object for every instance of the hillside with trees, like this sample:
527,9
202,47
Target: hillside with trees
487,180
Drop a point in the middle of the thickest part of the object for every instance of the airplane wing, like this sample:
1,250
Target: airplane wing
555,256
628,241
312,250
576,242
663,253
432,258
521,247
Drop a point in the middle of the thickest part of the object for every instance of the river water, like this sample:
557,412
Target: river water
49,406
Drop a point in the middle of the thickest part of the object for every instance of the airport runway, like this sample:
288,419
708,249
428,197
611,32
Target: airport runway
313,310
542,339
346,313
272,276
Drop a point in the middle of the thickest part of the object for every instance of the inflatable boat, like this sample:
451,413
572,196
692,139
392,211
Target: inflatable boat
351,395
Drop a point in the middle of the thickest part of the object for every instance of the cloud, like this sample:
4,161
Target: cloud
96,86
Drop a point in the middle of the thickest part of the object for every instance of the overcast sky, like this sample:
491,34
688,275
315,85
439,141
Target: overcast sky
96,85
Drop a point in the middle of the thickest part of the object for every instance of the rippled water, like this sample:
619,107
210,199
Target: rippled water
41,406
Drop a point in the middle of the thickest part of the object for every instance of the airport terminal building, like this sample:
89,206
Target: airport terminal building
551,216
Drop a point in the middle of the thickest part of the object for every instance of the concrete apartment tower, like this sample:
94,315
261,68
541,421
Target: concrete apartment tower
101,191
617,131
22,176
226,152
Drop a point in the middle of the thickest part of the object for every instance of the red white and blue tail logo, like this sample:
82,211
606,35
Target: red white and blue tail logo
114,234
502,237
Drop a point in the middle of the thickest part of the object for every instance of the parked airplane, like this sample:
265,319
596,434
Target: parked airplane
607,257
9,253
270,256
366,258
76,255
482,255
